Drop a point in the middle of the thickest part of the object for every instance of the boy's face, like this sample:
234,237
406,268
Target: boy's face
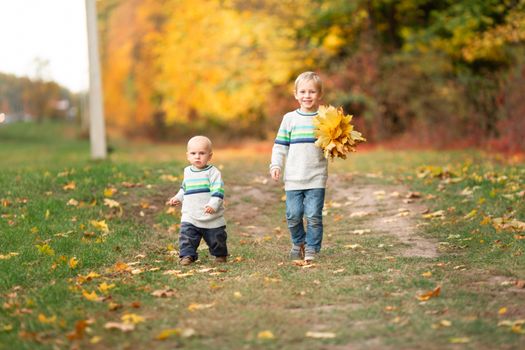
199,154
308,96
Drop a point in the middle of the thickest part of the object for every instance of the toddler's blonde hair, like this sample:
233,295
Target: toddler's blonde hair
307,76
201,139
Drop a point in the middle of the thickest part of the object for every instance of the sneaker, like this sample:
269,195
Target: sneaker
186,260
309,254
297,252
221,259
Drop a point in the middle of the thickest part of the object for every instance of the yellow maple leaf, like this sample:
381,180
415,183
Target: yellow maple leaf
45,249
46,320
100,225
104,287
90,296
72,263
132,319
335,134
265,335
110,191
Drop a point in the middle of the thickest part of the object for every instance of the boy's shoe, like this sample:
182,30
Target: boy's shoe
297,252
309,254
221,259
186,260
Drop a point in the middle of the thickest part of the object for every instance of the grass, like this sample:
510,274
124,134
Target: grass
363,289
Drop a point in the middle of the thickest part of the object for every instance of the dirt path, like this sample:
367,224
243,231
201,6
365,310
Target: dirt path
385,210
374,209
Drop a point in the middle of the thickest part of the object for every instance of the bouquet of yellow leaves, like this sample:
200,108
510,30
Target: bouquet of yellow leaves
335,135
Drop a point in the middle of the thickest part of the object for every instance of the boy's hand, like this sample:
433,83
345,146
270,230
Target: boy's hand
275,173
209,210
174,201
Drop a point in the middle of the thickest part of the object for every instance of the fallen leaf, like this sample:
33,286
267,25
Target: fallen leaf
72,263
436,214
194,306
265,335
72,202
124,327
100,225
430,294
8,255
45,249
179,332
111,203
69,186
95,340
114,306
353,246
121,267
360,232
104,287
132,318
163,293
78,332
320,335
91,296
459,340
110,191
46,320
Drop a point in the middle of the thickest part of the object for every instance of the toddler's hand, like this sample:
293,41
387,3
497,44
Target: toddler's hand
209,210
174,201
275,173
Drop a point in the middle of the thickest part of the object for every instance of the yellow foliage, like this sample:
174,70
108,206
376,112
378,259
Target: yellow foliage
190,58
335,135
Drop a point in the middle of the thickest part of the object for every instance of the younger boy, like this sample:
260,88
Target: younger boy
306,169
201,195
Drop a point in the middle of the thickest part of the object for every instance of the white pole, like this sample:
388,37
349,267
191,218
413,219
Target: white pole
97,132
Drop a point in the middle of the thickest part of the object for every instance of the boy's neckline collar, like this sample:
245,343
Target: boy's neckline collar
196,170
298,110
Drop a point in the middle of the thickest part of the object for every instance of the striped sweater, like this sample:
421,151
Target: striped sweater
200,188
295,150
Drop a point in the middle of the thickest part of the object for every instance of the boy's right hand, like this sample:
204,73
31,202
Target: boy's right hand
174,201
275,173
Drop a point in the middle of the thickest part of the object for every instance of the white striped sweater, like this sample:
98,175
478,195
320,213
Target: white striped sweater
295,150
201,188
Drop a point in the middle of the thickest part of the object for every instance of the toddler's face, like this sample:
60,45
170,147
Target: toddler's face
308,96
199,154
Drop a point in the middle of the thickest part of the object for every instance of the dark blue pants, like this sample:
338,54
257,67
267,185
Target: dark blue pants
190,238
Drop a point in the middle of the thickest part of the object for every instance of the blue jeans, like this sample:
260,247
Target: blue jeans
308,203
190,238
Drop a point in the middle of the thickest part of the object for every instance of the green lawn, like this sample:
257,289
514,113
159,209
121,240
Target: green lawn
88,252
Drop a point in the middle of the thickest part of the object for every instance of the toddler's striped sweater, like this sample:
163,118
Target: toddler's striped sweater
200,188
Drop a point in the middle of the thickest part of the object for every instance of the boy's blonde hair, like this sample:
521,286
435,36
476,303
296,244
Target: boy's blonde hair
307,76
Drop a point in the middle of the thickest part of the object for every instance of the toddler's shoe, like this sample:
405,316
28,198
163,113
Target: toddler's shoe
221,259
297,252
309,254
186,260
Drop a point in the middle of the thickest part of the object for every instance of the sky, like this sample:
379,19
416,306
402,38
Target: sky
45,30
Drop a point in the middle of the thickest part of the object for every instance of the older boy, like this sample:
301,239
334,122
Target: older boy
306,169
201,195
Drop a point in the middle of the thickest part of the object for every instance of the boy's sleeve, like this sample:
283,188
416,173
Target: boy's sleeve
216,189
281,145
